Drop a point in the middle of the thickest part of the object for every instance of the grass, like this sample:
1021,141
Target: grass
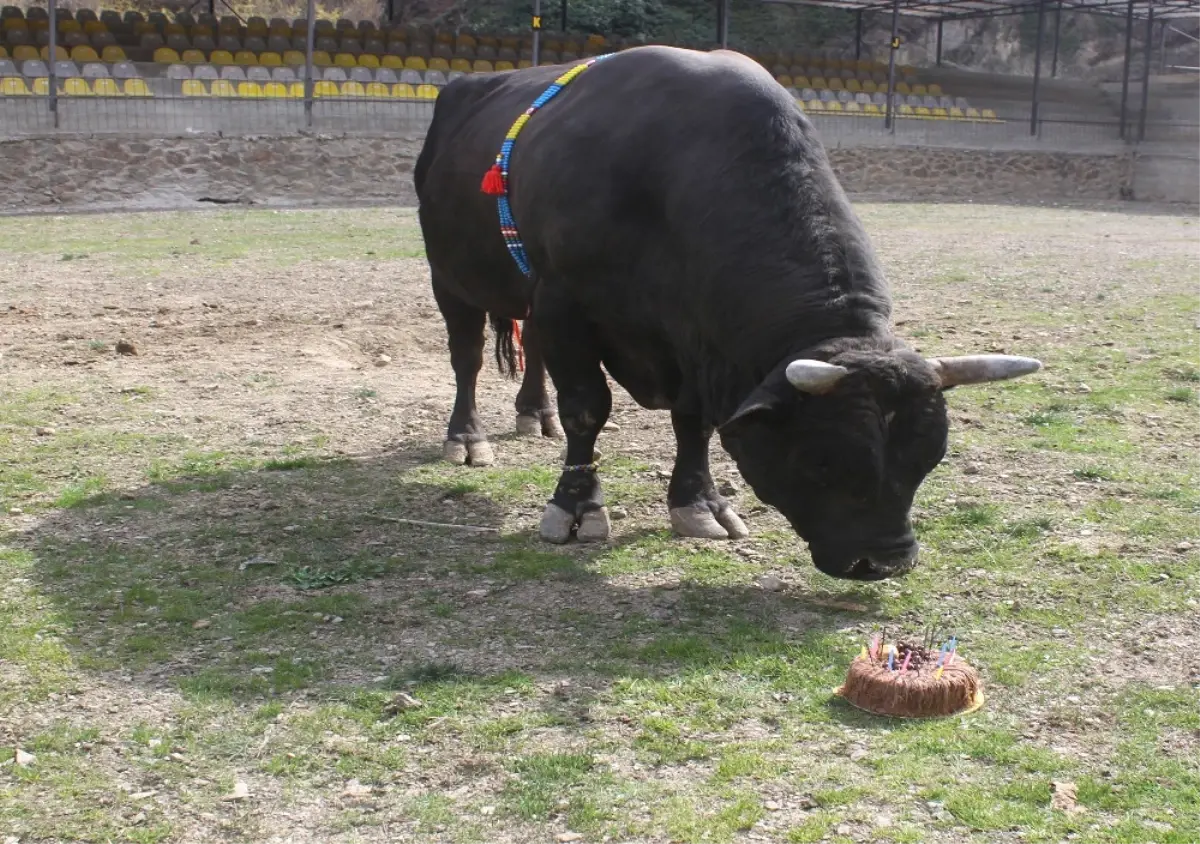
189,600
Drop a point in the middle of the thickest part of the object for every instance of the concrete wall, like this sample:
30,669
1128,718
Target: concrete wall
104,172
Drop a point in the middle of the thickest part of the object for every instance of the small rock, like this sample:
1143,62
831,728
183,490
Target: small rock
383,360
139,818
355,789
770,583
569,836
24,760
1183,546
200,624
241,791
844,829
124,347
883,820
562,689
143,795
858,754
618,513
403,702
772,805
611,426
337,619
487,811
476,594
44,432
728,487
970,469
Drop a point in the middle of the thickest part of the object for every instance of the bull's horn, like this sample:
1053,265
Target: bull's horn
979,369
814,376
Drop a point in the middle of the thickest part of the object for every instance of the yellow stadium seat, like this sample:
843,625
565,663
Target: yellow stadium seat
819,82
784,80
833,107
84,53
935,90
853,86
940,114
295,90
249,89
344,60
505,65
245,58
905,111
377,90
24,52
869,86
193,57
465,40
524,63
801,82
13,86
814,105
852,108
270,60
392,62
76,87
41,86
922,112
368,60
353,89
222,88
460,65
483,66
321,59
414,63
219,57
836,84
3,52
325,89
68,25
957,114
871,108
988,114
136,88
15,23
199,30
174,29
902,88
920,90
427,92
112,54
439,64
60,53
106,88
165,55
293,58
403,91
973,114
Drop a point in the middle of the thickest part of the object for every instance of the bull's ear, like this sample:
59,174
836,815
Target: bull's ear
767,400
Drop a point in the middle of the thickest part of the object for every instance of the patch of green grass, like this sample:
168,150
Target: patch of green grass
318,577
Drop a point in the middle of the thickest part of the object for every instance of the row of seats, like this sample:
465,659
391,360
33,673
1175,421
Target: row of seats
855,85
384,75
295,58
15,86
36,68
970,115
295,90
878,98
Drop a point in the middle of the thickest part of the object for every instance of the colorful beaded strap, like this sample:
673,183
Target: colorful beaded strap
495,182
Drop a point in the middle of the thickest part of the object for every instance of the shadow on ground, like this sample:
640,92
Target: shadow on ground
290,580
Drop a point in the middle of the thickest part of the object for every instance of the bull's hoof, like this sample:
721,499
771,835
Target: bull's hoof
594,526
556,524
699,522
544,424
469,454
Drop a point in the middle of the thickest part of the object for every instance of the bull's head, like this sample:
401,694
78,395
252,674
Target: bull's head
840,447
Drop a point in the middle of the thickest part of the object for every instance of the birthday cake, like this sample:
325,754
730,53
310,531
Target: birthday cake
904,680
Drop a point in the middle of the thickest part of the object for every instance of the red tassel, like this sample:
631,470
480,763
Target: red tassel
493,182
519,344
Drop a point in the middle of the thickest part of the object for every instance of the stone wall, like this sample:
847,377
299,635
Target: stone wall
99,173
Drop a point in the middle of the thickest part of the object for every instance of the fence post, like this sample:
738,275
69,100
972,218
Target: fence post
889,114
1037,69
308,63
1128,59
1146,71
52,61
537,32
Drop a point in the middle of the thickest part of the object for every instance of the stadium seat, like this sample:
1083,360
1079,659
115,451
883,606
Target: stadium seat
257,73
921,112
524,63
95,70
386,75
404,91
84,54
377,90
935,89
939,114
902,88
439,63
249,90
482,66
368,60
427,92
344,60
13,86
851,108
222,88
76,87
106,88
220,57
325,89
112,54
293,58
60,53
245,58
436,78
283,74
360,74
270,59
165,55
853,86
988,114
353,89
920,90
321,59
461,65
135,87
905,111
66,70
409,77
233,73
392,62
205,71
334,74
504,65
872,109
956,113
276,90
295,90
34,68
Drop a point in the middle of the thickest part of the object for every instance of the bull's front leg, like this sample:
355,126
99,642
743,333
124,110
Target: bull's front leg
584,402
696,508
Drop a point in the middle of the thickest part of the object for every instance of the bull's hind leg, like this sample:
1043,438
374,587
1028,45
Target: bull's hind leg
466,441
584,402
696,508
535,415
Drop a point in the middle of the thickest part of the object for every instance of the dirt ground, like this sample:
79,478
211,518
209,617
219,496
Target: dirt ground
206,421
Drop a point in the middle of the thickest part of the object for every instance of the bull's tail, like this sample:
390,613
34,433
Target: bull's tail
508,346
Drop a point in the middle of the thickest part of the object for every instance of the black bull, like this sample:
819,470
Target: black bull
688,235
